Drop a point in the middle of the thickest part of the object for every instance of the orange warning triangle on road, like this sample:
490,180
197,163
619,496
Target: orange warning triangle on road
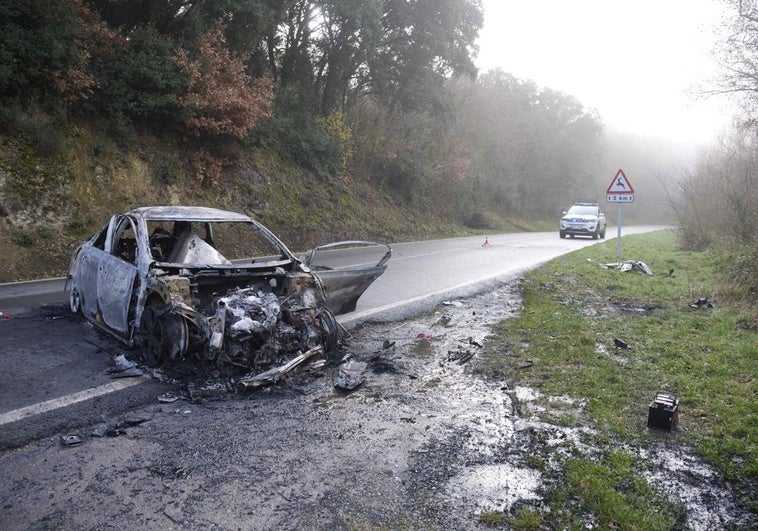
620,184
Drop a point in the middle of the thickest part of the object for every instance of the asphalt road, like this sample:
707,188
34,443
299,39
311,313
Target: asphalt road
54,366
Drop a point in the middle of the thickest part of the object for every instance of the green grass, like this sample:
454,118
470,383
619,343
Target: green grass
573,310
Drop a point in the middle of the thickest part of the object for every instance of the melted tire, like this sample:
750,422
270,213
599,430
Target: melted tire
330,329
166,336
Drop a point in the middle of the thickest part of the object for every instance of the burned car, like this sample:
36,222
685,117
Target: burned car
179,281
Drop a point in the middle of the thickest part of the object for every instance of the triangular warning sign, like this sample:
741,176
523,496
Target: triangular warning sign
620,184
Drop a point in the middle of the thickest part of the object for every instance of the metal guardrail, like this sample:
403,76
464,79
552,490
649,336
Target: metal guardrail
16,290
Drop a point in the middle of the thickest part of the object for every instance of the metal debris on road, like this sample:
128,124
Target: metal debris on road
274,375
72,440
350,375
168,398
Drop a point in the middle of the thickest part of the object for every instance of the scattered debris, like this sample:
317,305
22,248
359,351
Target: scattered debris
631,265
350,375
460,355
122,364
381,365
663,412
129,373
702,302
424,335
102,429
457,304
168,398
124,368
208,391
619,343
670,274
72,440
387,344
275,374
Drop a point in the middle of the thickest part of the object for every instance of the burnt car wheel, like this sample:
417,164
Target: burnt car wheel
166,336
330,330
74,300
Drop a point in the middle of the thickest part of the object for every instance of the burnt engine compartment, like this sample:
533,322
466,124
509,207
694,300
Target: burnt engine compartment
242,320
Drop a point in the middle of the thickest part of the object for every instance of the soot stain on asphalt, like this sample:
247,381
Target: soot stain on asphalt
422,443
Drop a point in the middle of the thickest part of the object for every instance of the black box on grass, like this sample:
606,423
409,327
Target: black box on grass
663,412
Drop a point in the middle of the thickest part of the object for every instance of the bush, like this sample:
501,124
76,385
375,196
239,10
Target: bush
301,141
40,129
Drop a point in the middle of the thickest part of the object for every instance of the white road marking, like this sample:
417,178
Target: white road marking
350,319
65,401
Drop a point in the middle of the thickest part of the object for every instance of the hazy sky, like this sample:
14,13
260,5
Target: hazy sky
639,63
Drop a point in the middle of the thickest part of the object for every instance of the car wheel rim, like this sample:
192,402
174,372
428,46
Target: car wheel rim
154,351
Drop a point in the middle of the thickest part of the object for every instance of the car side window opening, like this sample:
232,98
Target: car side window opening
125,242
99,242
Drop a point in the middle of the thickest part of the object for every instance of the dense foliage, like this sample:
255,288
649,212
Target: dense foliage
383,89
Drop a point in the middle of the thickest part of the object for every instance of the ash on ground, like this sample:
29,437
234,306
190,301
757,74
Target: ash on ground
421,443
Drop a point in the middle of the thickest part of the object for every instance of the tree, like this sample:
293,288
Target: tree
139,79
527,144
349,34
424,43
220,98
739,52
43,43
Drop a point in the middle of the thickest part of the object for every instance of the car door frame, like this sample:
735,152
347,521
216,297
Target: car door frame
117,279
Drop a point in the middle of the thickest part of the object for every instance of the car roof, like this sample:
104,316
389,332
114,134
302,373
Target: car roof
187,213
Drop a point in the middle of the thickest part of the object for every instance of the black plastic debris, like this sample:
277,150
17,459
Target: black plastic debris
620,343
72,440
663,412
702,302
460,356
120,428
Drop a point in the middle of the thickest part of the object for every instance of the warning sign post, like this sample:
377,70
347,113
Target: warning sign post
619,191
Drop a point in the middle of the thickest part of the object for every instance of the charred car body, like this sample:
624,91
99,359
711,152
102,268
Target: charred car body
208,282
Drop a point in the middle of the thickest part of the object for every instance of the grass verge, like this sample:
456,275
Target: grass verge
563,343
